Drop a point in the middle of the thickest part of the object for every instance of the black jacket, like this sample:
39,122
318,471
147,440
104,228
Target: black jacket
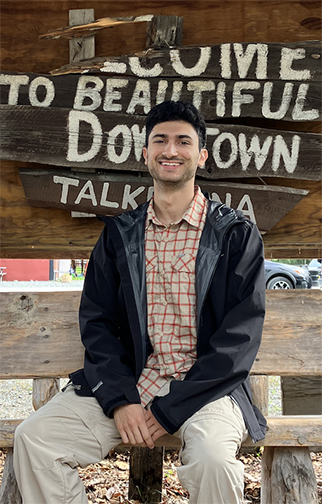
230,293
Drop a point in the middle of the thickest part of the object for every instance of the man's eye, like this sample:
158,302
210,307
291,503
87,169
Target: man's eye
184,142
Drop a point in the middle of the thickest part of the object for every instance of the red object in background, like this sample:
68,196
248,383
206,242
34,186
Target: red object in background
25,269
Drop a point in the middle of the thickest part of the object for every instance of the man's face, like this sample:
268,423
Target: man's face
173,155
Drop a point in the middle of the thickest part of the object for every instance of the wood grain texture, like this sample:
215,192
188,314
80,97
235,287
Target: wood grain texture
110,194
288,476
40,335
217,22
283,431
35,233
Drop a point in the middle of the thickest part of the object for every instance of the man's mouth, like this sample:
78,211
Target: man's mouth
170,163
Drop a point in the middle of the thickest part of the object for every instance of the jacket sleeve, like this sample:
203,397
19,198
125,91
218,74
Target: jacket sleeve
236,302
108,366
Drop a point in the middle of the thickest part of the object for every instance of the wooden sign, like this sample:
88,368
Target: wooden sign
74,138
111,194
294,100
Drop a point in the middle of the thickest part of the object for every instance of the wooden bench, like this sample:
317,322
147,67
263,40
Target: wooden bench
40,340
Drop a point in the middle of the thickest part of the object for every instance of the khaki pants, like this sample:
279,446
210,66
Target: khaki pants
72,431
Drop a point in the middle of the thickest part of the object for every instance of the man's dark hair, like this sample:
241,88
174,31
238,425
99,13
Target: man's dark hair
176,111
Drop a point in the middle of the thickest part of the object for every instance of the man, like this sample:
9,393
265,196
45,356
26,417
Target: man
171,319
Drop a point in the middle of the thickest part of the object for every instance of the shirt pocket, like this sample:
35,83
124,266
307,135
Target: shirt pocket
151,263
184,263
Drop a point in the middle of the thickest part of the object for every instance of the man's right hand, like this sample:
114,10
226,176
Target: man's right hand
131,424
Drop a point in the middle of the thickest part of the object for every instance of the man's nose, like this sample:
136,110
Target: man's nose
170,150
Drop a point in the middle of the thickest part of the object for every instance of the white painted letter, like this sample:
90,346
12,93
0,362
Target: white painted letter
140,71
260,153
104,202
14,81
249,210
285,101
129,198
113,67
139,140
125,144
281,150
92,92
225,62
221,99
111,94
176,90
66,182
286,70
74,119
298,113
141,97
239,98
233,150
90,195
198,87
244,59
50,92
162,88
198,69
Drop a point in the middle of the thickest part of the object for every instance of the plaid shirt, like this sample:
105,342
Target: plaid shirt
170,255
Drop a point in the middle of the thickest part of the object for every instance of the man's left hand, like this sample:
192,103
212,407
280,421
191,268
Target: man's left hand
156,430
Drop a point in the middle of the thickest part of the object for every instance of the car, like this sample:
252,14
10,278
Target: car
286,276
315,270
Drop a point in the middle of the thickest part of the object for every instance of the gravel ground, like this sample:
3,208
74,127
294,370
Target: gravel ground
16,397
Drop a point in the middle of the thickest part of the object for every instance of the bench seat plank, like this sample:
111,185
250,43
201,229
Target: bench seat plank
283,431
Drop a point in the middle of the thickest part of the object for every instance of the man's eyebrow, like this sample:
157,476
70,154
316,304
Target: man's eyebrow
163,135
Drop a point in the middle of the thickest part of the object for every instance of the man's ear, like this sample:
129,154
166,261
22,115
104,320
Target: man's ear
145,155
203,156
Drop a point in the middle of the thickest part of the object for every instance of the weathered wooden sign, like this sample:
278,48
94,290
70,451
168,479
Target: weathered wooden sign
64,137
111,194
254,89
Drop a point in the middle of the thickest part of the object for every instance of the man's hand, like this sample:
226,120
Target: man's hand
132,426
156,430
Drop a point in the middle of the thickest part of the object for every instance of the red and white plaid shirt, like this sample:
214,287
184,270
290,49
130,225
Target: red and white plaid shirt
170,255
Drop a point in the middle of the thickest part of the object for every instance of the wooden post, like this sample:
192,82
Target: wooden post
43,390
259,386
288,476
146,465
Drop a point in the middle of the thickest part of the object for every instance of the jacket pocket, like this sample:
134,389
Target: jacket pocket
79,383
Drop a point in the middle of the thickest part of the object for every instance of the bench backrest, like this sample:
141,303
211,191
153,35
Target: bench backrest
40,335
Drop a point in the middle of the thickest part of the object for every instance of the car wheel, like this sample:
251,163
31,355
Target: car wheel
280,282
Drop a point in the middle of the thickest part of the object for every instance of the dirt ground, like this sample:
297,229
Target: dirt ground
107,482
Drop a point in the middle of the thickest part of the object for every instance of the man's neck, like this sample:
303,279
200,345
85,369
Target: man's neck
169,206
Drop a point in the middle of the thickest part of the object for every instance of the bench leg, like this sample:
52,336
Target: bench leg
288,476
9,492
146,467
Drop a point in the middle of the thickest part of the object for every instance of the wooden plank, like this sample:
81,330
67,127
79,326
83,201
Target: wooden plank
30,232
73,138
236,60
217,22
288,476
40,334
302,395
89,28
79,48
215,98
111,194
283,431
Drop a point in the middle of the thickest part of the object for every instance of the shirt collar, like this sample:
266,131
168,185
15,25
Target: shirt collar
192,215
